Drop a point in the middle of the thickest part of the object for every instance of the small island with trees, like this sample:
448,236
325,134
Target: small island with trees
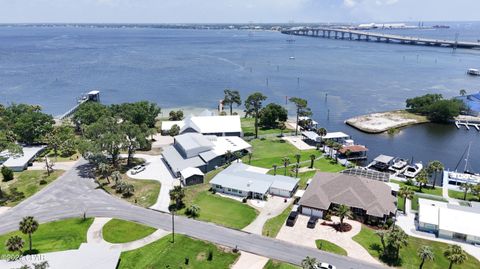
422,109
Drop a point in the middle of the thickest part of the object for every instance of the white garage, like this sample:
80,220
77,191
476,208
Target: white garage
311,212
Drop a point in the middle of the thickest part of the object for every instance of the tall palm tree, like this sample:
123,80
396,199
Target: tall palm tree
396,239
298,157
104,170
116,176
405,192
425,253
177,194
343,212
14,244
455,254
435,167
250,157
422,179
286,162
312,160
337,147
297,167
309,263
382,234
274,169
466,187
238,155
228,156
28,225
322,132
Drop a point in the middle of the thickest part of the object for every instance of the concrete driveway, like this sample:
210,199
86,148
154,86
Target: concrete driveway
156,169
273,207
302,235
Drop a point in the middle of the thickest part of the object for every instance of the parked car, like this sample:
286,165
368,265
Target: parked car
137,169
292,218
325,265
312,222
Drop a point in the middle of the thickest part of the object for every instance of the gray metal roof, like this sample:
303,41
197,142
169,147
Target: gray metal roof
311,135
384,159
239,176
190,141
21,160
177,162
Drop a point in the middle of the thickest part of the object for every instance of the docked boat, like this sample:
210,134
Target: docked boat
473,72
413,170
398,165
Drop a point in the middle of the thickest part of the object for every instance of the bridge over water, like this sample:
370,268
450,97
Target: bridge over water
348,34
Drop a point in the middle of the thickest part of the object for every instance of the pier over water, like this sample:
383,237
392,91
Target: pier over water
92,96
347,34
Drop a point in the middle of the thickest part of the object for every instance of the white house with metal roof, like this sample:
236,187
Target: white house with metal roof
205,152
207,125
247,181
20,162
449,221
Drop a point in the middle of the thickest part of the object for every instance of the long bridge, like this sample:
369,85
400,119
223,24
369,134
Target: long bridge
349,34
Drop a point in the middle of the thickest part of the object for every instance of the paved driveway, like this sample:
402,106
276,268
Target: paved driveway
156,169
305,236
273,207
75,193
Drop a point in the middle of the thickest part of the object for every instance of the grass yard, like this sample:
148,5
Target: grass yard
330,247
273,225
408,255
427,190
145,194
54,236
122,231
459,195
248,128
60,157
304,177
272,264
164,254
26,183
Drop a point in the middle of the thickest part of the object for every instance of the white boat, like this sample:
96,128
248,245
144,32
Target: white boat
413,170
398,165
292,58
473,72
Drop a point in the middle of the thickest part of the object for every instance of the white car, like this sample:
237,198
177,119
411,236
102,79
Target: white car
137,169
325,265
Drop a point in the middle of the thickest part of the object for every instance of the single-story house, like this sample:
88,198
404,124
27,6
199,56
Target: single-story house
20,162
207,125
247,181
339,137
191,176
369,200
205,152
449,221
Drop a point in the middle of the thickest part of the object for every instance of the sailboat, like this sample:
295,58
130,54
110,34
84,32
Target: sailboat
468,175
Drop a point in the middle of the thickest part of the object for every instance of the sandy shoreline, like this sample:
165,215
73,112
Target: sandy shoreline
380,122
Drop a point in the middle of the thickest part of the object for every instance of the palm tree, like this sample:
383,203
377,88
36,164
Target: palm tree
104,170
128,190
286,162
309,263
297,157
322,132
466,187
116,176
14,244
194,211
228,156
455,254
297,167
435,167
463,92
177,194
238,155
274,169
382,234
312,160
250,157
406,193
337,147
343,212
28,225
395,240
425,253
422,179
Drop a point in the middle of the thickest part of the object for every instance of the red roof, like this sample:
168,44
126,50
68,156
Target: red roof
354,148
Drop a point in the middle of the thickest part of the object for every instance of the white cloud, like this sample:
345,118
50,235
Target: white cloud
349,3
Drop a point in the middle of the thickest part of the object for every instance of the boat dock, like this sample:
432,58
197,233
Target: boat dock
93,96
467,125
349,34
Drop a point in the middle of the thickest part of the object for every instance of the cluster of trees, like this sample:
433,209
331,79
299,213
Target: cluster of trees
435,107
175,115
28,225
109,130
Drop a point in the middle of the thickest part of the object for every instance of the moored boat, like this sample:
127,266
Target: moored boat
413,170
473,72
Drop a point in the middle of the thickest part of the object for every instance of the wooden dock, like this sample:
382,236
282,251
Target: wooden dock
467,125
349,34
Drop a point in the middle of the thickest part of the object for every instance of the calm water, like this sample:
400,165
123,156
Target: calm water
53,66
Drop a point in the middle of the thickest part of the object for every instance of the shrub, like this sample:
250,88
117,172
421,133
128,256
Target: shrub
7,173
389,222
210,255
327,216
43,182
244,200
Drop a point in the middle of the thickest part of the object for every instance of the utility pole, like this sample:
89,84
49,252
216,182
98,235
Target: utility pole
173,225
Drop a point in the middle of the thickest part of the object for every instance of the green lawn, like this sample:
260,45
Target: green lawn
54,236
304,177
164,254
60,157
248,128
330,247
427,190
459,195
272,264
273,225
146,191
121,231
27,183
408,255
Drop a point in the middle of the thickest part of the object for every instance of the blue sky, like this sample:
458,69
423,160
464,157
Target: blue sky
206,11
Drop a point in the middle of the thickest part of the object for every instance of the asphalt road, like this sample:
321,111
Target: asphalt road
75,193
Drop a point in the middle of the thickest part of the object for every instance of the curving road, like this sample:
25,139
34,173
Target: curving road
76,193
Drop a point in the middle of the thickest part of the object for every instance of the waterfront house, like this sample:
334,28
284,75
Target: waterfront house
369,200
247,181
449,221
207,125
205,152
